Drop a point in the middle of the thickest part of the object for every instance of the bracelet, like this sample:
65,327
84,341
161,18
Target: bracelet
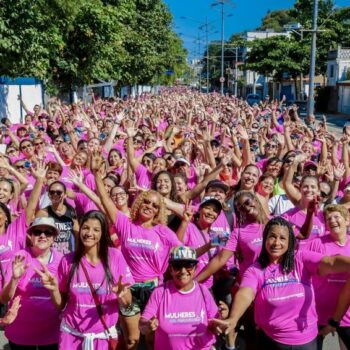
333,323
127,309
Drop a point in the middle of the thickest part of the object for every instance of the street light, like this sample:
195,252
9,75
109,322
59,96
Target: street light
311,99
222,3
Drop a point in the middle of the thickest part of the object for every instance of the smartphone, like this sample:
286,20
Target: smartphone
27,164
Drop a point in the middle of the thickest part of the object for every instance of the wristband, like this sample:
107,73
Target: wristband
333,323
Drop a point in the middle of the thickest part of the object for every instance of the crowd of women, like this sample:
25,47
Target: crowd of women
179,220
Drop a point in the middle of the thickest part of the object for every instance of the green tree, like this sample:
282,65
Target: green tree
276,20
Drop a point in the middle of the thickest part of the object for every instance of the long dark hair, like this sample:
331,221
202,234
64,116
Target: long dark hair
287,262
104,244
6,210
237,187
172,195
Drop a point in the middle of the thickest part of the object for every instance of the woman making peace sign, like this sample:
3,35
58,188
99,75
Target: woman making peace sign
89,319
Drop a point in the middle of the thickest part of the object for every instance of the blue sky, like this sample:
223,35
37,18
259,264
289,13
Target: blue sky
245,15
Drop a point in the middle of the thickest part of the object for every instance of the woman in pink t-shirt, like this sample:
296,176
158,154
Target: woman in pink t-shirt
246,237
94,267
37,322
327,288
145,243
180,310
280,278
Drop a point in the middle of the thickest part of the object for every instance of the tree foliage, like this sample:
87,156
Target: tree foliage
74,42
276,20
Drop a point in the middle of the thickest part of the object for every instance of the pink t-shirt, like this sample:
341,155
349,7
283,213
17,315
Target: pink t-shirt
297,218
183,317
285,303
80,312
327,288
194,238
143,177
83,204
37,322
14,238
247,240
146,250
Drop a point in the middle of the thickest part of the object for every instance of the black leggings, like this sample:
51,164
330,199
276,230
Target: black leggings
33,347
266,343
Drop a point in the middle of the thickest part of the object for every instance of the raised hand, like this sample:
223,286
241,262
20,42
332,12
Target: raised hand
39,172
18,267
338,171
76,176
11,313
188,212
96,162
48,281
131,132
121,289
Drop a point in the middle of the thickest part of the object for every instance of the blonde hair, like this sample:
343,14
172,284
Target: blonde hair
331,208
160,218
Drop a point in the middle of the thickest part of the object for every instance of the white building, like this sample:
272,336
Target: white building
338,77
255,82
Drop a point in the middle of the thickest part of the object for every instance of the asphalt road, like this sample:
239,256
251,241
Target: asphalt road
335,124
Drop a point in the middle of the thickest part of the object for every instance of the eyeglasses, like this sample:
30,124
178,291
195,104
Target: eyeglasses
148,202
269,145
188,265
57,193
47,233
28,145
38,143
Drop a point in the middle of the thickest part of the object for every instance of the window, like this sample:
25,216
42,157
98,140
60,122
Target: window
331,71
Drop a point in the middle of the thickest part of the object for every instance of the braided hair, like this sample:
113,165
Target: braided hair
287,262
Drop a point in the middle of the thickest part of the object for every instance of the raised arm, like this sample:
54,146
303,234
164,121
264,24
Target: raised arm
130,151
39,174
96,168
292,192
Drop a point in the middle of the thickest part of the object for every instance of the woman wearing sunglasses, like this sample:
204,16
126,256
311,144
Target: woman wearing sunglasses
145,242
280,284
92,282
180,310
64,216
37,322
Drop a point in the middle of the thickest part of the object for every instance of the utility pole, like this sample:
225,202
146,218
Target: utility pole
236,73
207,42
222,79
311,98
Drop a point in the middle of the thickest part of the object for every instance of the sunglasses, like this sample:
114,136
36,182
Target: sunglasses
47,233
38,143
245,204
23,147
20,166
324,194
150,140
148,202
57,193
188,265
138,141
